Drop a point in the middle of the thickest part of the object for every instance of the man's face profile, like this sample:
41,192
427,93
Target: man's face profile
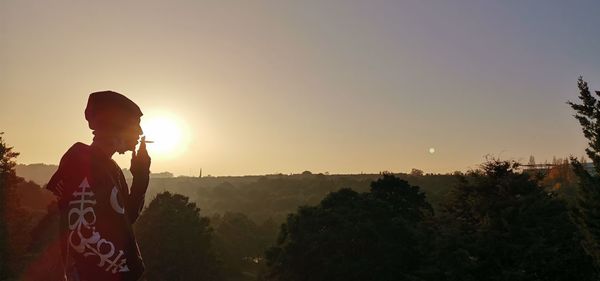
128,135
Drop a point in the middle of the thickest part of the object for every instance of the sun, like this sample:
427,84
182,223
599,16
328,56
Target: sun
167,134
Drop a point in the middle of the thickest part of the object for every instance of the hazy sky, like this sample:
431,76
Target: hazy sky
287,86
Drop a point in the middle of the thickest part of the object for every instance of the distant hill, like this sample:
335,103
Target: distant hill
275,196
261,196
40,173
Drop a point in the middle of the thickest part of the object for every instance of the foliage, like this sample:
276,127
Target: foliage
45,248
266,196
500,225
6,174
587,212
275,196
241,244
175,241
588,115
375,235
14,220
416,172
562,180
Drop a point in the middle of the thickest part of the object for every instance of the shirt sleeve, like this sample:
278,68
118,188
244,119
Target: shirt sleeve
135,200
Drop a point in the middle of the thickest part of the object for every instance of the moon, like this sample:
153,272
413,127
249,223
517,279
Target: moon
431,150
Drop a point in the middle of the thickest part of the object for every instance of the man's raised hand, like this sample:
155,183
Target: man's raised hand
140,161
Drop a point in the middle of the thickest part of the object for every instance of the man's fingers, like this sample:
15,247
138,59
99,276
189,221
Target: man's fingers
143,144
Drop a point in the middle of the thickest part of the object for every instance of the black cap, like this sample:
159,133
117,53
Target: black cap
109,110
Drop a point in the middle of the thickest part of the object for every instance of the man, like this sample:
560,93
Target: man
96,206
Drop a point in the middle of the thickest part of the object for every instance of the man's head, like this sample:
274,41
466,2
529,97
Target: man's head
113,116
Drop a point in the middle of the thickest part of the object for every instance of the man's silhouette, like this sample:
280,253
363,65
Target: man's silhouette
97,208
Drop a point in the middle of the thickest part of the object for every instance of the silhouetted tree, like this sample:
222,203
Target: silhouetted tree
587,212
241,245
500,225
175,241
45,264
562,180
7,179
355,236
14,220
416,172
267,233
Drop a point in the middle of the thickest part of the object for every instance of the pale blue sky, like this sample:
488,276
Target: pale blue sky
287,86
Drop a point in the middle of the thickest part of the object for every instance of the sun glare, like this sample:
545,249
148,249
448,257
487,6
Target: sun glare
166,133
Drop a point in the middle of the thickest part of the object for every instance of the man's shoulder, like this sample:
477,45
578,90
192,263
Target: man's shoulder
77,149
78,154
72,166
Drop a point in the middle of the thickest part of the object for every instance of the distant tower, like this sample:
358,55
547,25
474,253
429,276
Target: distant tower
200,173
531,160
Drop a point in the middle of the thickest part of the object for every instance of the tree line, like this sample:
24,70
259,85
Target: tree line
491,223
